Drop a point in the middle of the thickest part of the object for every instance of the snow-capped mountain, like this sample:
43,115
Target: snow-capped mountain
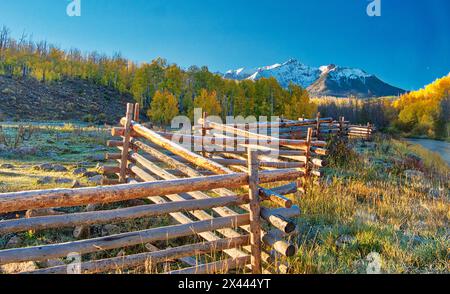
330,80
291,71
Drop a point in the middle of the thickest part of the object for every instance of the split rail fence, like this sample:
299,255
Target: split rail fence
214,194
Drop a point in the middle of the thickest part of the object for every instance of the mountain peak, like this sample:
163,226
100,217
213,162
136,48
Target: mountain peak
291,61
328,80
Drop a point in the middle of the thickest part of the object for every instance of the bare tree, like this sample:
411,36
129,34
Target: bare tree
4,38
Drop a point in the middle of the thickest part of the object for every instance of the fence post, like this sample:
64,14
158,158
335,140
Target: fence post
126,144
137,110
318,126
341,127
369,128
204,117
255,211
309,139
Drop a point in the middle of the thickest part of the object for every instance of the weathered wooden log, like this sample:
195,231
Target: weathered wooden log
188,171
221,192
315,161
246,134
262,150
255,212
157,256
221,267
177,149
280,223
274,240
280,165
222,211
117,132
359,132
18,201
281,124
201,215
126,143
220,142
113,156
113,143
286,189
163,157
319,151
40,253
268,195
116,215
109,170
285,213
360,129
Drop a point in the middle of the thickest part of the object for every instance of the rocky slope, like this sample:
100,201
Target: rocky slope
70,99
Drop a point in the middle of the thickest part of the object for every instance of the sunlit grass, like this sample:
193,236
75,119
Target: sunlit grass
364,199
378,212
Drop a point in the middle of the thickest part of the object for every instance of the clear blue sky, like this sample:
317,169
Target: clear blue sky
408,46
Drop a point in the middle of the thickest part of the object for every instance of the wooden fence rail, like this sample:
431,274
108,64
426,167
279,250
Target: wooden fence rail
204,191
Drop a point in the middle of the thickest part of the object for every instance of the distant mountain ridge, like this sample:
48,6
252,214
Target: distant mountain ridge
330,80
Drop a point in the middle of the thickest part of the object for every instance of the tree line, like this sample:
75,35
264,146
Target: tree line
164,90
425,112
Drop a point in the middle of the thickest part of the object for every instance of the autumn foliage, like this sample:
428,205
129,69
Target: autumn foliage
426,111
162,89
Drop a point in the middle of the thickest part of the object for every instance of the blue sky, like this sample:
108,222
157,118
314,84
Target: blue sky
408,45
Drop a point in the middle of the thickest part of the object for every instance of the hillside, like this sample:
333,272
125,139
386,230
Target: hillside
68,99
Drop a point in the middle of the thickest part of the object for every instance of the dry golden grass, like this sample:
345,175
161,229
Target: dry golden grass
376,210
364,205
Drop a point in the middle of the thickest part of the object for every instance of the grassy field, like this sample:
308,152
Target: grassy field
382,206
69,145
372,204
